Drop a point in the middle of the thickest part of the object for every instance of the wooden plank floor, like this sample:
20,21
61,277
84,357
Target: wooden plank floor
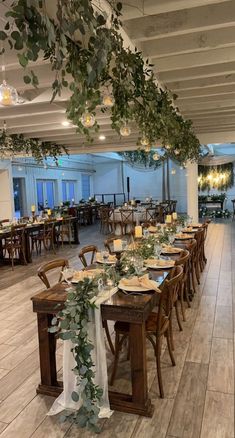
199,391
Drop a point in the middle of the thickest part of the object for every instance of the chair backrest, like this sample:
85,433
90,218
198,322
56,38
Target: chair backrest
58,263
192,247
151,215
89,249
4,221
17,234
127,216
168,297
183,261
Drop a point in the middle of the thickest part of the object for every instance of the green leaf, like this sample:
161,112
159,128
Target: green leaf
75,396
119,6
3,35
22,59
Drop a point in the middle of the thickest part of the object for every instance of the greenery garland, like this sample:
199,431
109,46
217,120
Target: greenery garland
219,177
17,144
71,324
141,159
96,62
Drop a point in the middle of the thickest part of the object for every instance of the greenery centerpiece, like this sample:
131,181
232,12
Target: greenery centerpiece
220,177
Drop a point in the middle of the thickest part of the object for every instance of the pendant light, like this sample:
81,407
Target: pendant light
88,120
125,130
8,94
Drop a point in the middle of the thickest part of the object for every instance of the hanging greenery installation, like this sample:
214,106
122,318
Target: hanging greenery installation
86,51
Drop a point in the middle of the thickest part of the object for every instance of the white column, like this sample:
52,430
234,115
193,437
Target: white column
192,190
6,190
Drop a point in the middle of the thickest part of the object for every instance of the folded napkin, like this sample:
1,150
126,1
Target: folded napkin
188,229
80,275
143,281
152,229
111,258
132,245
183,236
159,262
196,225
171,249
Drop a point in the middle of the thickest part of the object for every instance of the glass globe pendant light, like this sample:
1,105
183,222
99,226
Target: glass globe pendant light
147,148
125,130
88,120
8,94
144,141
156,156
108,100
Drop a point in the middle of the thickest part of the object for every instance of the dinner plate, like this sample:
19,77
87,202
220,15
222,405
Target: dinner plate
186,237
106,262
172,251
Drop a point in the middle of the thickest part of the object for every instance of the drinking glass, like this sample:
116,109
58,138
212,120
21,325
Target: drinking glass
145,232
171,238
105,256
138,264
157,250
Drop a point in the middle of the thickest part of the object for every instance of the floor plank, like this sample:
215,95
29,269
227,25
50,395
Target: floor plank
218,418
221,368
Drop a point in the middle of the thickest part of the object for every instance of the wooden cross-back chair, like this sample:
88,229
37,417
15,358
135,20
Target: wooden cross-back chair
127,221
184,286
64,231
89,249
157,325
151,215
44,237
192,248
49,266
14,245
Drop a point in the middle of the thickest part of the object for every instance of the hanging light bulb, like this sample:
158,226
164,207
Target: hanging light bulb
87,120
147,148
176,151
8,94
108,100
167,146
144,141
125,130
156,156
173,172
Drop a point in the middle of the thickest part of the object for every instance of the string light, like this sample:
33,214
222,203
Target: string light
144,141
8,94
156,157
108,100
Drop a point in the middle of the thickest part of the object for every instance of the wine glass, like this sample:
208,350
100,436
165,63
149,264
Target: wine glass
157,250
138,264
105,256
171,239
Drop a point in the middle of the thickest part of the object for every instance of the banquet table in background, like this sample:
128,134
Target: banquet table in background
32,228
133,309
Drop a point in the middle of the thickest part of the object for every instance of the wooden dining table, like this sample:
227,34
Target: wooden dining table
133,309
35,227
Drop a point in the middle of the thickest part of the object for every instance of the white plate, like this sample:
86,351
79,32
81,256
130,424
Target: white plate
176,251
106,262
184,238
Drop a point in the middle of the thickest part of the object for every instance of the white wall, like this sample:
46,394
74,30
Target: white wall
108,179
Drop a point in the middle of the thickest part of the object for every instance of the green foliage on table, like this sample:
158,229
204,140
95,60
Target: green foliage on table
214,214
216,198
204,183
86,51
71,324
17,144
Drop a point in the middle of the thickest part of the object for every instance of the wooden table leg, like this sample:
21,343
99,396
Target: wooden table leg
47,354
139,402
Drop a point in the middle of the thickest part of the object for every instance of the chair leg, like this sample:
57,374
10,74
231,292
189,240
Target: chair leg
105,325
171,333
197,272
178,315
169,348
182,303
158,364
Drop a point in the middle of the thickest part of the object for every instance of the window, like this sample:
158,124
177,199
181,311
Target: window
68,190
86,190
45,194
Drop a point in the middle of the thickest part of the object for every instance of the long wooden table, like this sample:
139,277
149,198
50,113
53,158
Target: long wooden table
134,309
32,228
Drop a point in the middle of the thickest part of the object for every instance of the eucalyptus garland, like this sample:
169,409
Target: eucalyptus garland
71,324
17,144
83,43
141,159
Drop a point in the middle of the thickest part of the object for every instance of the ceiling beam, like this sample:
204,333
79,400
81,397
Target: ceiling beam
181,22
206,91
189,60
198,72
211,82
217,137
195,42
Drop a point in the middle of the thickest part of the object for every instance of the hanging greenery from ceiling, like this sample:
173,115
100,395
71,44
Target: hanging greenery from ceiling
142,160
219,177
17,144
87,53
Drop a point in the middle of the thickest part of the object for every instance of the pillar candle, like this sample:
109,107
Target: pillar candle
168,219
33,208
49,212
138,232
117,245
174,216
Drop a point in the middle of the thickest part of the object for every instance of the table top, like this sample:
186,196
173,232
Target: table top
33,226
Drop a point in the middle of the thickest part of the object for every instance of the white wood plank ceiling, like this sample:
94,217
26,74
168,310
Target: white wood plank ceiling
191,43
